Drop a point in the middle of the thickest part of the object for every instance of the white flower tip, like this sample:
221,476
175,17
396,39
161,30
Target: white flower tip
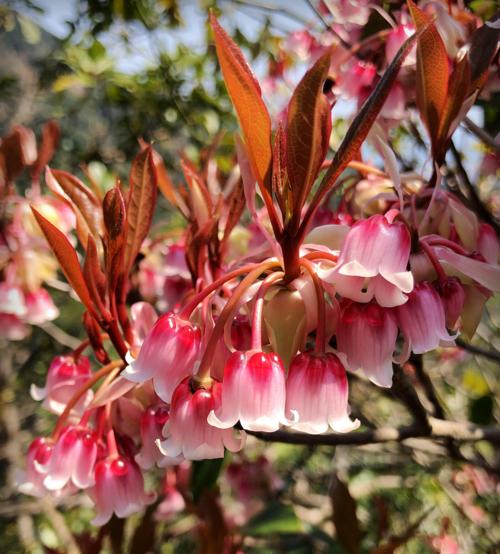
38,393
214,421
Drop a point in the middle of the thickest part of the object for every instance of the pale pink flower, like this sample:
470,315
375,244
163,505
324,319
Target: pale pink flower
153,420
367,335
253,392
12,327
73,459
40,307
188,432
37,459
422,319
64,378
173,502
487,243
395,40
372,263
143,317
12,300
119,489
168,354
317,390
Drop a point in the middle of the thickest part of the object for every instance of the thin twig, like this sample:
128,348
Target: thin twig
439,429
482,135
405,392
473,349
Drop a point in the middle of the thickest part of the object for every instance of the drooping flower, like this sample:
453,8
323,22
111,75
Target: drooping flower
64,378
372,262
168,354
317,390
153,420
253,392
422,319
367,336
188,432
40,307
119,489
73,459
39,455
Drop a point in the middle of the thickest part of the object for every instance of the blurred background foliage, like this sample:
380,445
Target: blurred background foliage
111,72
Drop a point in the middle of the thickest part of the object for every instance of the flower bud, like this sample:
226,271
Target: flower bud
153,420
452,295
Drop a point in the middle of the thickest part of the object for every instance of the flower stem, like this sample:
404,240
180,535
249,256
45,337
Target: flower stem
81,391
188,309
320,299
256,343
204,372
433,259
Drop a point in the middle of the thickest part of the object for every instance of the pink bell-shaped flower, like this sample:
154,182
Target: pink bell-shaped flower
168,354
40,307
38,457
119,489
153,420
187,431
422,319
73,459
317,390
373,261
452,295
367,335
253,392
64,378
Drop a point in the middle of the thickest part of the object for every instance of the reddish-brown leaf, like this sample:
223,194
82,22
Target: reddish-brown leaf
483,47
47,148
67,258
307,132
280,182
17,150
245,94
432,71
359,128
115,222
457,93
94,277
82,200
141,204
200,202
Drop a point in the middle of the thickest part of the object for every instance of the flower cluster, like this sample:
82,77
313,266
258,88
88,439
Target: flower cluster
263,336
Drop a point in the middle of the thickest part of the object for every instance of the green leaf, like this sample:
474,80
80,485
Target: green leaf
276,518
204,475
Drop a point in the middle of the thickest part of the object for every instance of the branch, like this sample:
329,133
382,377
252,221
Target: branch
473,349
405,392
474,199
482,135
439,429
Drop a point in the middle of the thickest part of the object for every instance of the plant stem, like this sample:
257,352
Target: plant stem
320,300
81,391
256,343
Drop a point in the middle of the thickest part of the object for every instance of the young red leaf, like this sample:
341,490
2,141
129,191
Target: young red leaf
280,182
82,200
48,145
432,72
95,279
483,47
67,258
455,101
115,222
358,129
17,150
307,133
141,204
245,94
